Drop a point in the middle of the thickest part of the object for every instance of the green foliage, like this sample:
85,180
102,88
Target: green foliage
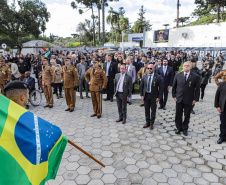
74,44
29,18
182,20
139,25
205,19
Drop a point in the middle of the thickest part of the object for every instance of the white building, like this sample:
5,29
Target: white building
209,35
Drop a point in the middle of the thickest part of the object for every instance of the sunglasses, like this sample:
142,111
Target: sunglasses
149,68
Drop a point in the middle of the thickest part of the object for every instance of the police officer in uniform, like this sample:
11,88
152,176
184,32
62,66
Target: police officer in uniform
69,77
48,78
140,75
5,75
98,82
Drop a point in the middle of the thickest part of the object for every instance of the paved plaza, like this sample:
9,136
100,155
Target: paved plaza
134,155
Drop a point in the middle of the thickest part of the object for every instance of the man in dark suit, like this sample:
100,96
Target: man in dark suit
166,73
151,91
175,64
185,91
110,69
30,81
123,90
220,104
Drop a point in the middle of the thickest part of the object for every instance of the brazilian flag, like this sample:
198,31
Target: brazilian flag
30,147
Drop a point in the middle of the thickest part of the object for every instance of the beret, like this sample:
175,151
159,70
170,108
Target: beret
15,85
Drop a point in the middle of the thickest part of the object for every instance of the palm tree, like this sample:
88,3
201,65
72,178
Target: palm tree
124,23
112,19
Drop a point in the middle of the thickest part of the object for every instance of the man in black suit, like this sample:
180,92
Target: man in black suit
220,104
185,91
151,90
123,90
110,69
175,64
166,73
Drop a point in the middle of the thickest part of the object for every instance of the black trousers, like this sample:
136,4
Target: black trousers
180,108
110,88
223,125
149,102
82,82
202,88
165,97
122,105
56,87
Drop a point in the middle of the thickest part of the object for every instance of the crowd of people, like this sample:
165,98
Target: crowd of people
117,74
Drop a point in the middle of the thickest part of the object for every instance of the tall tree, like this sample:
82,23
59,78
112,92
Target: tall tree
213,6
112,19
28,18
166,25
141,22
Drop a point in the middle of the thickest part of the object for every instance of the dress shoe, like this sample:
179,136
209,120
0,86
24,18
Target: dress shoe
54,92
71,110
141,105
67,109
46,106
124,121
111,100
81,97
185,132
193,112
151,127
50,106
130,103
106,99
146,125
220,141
160,107
99,116
164,108
177,131
118,120
87,97
93,115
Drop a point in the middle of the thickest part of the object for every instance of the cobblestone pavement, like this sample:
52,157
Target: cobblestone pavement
134,155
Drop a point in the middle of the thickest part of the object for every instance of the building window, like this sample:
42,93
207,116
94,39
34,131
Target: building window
217,38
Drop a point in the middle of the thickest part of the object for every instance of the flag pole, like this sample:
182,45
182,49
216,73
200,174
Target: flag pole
85,153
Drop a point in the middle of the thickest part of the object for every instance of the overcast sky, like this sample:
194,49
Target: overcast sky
64,19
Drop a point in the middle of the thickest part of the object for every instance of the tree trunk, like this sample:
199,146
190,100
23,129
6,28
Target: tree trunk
103,21
178,4
94,35
218,13
222,13
99,24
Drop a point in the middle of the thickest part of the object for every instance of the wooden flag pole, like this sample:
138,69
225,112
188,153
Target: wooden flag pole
85,153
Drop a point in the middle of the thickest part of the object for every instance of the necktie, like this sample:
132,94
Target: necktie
66,68
149,83
93,71
185,77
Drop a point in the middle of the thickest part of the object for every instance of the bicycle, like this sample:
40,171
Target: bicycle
35,97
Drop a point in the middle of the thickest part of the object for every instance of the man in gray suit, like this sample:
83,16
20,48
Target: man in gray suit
82,68
131,71
123,90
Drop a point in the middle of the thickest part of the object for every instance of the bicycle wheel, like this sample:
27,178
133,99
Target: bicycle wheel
35,98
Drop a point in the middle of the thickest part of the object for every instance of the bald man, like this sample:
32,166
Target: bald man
185,91
151,91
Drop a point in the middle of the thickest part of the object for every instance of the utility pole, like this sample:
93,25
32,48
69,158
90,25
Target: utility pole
178,5
103,21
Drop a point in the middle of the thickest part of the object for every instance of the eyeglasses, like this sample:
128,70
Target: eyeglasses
149,68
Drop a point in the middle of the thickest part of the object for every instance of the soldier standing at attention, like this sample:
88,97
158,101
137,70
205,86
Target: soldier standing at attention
5,75
69,77
98,82
48,78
